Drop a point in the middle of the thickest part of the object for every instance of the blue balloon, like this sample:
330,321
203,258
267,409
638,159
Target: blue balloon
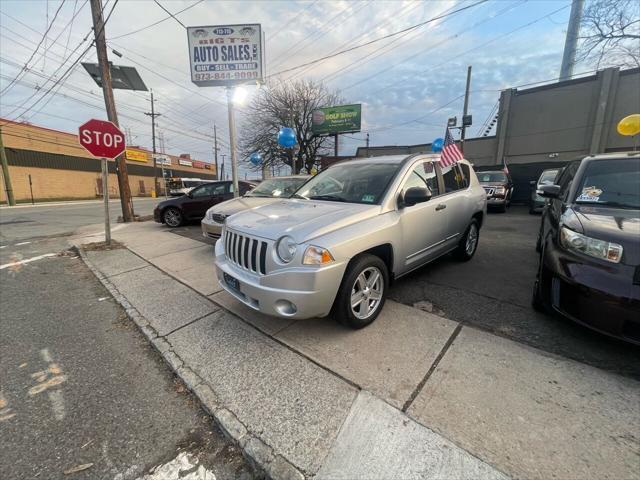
437,144
286,137
255,158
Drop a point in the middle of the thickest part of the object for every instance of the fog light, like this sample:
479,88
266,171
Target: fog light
285,308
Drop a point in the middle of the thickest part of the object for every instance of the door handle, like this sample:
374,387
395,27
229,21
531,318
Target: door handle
441,206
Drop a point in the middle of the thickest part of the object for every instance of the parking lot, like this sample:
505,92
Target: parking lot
493,292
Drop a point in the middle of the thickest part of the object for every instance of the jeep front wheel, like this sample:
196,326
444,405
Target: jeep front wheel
362,293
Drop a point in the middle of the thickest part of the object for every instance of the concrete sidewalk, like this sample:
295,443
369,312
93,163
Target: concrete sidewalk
413,395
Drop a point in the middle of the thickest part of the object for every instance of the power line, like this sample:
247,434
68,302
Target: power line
482,45
44,36
356,47
425,50
171,14
295,17
63,77
156,23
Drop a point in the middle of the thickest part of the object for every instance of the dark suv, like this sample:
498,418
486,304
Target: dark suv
589,244
193,205
499,188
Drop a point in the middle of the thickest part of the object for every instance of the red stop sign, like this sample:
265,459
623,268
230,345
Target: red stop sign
101,139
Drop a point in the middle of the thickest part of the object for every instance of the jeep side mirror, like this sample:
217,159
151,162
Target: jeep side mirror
549,191
416,195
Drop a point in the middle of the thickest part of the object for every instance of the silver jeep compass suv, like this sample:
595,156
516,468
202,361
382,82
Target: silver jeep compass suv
338,242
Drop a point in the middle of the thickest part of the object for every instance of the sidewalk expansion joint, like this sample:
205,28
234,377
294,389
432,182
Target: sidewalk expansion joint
127,271
422,383
187,324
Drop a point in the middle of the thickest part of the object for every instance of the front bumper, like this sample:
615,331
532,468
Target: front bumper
157,215
601,297
496,201
210,229
310,289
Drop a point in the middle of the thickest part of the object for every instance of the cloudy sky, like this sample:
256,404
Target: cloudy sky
409,84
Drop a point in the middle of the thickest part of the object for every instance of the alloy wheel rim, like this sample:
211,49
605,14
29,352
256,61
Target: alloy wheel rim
472,239
366,293
171,218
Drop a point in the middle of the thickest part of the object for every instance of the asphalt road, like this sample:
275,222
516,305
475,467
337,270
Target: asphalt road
80,386
45,220
493,292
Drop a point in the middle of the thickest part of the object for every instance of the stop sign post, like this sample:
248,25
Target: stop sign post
105,140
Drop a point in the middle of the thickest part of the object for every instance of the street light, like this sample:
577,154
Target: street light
240,95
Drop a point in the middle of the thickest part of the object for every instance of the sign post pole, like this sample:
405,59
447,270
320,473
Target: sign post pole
105,196
232,143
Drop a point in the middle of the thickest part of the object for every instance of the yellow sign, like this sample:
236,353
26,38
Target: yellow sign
137,155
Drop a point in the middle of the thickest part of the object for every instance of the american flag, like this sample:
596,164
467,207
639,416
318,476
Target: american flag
450,151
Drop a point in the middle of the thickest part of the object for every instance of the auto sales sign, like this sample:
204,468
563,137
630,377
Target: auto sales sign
225,55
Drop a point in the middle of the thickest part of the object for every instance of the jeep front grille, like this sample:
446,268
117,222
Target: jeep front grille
246,252
489,190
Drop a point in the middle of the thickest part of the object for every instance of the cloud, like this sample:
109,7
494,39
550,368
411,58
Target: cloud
428,65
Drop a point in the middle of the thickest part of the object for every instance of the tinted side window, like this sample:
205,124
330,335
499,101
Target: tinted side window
466,174
202,191
566,178
453,179
423,174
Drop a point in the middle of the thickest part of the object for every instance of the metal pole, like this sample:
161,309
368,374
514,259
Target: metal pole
335,146
105,196
31,190
5,174
367,144
215,149
222,174
465,108
232,143
110,104
571,40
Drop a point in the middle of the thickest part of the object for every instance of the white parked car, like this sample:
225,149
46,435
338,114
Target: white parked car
335,246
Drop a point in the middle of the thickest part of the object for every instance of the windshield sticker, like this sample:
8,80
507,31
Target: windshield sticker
368,198
590,194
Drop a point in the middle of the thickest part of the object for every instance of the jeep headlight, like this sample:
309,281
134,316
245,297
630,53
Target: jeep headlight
593,247
316,256
500,190
286,249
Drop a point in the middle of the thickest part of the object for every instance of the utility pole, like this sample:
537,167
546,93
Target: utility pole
153,116
110,104
5,173
367,144
222,169
571,40
465,108
215,149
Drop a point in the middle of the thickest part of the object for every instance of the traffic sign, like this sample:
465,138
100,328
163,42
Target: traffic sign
101,138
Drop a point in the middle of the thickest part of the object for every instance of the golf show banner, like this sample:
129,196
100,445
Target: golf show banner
338,119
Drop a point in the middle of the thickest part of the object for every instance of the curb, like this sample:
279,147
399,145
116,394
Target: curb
260,455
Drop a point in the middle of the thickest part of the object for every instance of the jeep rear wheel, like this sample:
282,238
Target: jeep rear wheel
362,293
469,242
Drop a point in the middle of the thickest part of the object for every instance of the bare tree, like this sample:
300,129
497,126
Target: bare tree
286,105
610,33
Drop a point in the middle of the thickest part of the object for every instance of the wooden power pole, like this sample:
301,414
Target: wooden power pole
110,104
5,174
153,116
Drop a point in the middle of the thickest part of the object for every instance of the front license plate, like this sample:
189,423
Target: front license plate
232,282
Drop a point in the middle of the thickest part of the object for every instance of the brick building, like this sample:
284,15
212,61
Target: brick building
59,168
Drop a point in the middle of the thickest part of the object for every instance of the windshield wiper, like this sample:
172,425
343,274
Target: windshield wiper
331,198
296,195
256,195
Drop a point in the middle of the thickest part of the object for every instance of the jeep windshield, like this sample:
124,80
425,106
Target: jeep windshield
351,183
611,182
